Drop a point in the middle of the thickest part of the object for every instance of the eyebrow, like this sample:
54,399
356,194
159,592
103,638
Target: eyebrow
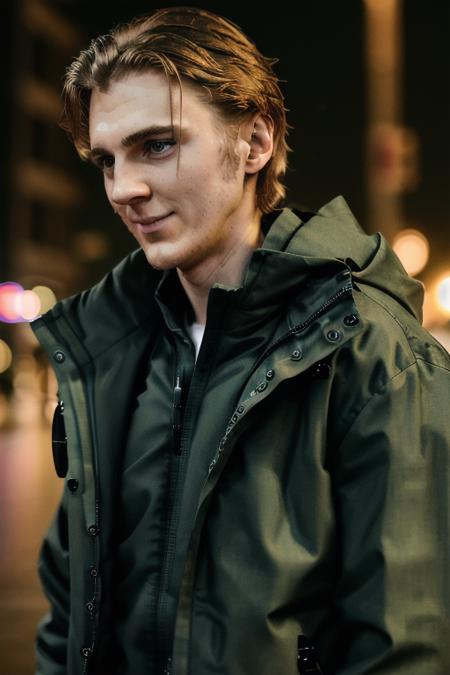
138,137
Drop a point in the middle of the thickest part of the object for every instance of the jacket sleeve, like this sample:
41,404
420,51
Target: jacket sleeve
52,634
392,499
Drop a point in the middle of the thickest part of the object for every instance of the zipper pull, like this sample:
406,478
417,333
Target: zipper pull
306,657
177,416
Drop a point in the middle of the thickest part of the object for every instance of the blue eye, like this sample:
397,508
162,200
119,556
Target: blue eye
156,147
149,149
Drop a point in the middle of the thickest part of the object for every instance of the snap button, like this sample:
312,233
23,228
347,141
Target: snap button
59,356
351,320
270,373
72,484
235,417
93,571
333,335
90,607
241,409
296,354
86,652
261,386
93,530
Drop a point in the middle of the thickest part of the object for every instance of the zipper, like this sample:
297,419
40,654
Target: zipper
177,413
177,465
343,292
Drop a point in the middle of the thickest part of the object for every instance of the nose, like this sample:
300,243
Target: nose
128,186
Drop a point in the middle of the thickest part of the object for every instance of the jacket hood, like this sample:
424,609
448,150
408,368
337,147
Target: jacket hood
334,233
295,249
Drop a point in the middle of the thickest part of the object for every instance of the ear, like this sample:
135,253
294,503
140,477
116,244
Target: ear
258,134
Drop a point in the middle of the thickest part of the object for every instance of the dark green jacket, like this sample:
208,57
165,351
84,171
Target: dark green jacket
315,471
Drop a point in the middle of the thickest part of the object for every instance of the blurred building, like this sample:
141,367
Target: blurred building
44,193
54,235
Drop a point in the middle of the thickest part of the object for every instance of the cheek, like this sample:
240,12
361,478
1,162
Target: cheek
108,189
208,173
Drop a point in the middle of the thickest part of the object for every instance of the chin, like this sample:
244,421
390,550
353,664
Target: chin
159,262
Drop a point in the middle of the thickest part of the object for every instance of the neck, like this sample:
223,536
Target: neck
227,268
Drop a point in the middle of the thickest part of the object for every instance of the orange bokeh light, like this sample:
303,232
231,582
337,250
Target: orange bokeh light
29,305
413,249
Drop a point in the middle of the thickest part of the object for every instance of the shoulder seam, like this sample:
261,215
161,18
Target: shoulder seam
379,391
416,356
388,311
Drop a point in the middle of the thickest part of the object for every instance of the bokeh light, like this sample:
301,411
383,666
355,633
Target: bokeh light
46,296
29,305
90,246
9,294
5,356
16,304
443,293
413,249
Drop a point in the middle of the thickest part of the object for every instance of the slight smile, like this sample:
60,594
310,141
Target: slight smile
151,225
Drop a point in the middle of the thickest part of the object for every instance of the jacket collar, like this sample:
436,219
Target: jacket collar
293,251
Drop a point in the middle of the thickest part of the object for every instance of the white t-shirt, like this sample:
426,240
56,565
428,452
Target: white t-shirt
196,331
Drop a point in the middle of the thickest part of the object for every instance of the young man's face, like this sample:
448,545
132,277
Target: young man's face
204,206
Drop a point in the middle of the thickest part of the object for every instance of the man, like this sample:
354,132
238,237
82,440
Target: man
253,427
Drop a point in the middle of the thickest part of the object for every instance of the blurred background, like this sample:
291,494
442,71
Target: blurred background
367,85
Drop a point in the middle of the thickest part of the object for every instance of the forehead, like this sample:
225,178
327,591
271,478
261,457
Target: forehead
138,99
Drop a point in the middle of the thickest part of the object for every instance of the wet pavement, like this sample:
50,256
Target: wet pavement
29,494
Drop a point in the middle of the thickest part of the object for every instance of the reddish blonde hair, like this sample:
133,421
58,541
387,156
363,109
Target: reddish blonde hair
210,52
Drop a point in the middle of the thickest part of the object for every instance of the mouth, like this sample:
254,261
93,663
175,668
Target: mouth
147,225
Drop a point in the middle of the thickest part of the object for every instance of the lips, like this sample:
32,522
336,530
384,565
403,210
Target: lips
147,225
149,221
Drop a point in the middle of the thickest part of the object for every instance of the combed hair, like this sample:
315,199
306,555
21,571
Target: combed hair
206,49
